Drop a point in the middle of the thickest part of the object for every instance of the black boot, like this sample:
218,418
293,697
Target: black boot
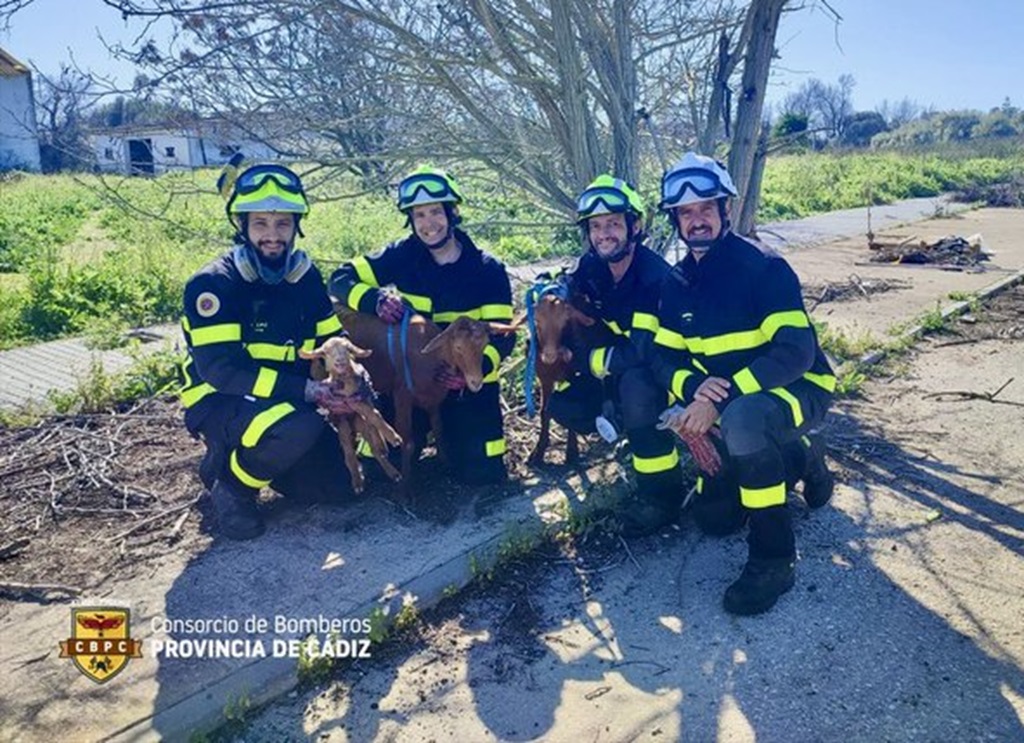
641,516
238,516
759,586
819,482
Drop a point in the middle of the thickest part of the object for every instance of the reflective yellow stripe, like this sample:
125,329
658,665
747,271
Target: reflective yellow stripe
597,357
746,381
742,340
364,271
700,366
363,448
614,326
419,303
328,325
357,293
653,465
645,321
826,381
678,380
794,404
774,495
806,441
700,484
495,448
496,312
309,344
492,353
670,339
259,425
271,352
245,477
265,382
563,385
787,319
450,317
193,395
225,333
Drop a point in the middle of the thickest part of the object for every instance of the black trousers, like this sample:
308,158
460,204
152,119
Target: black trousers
637,401
764,448
287,446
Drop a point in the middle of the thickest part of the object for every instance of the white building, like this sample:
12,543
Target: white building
19,139
139,150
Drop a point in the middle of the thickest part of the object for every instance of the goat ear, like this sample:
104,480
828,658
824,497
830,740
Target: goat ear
316,353
358,352
498,328
435,344
579,317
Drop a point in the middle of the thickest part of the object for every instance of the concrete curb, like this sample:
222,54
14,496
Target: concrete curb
953,310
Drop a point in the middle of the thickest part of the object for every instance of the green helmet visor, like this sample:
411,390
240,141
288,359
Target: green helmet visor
268,188
602,201
433,187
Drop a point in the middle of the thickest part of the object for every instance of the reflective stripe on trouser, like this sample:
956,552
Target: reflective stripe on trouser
756,429
271,443
474,437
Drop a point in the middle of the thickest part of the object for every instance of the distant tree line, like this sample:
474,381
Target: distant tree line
820,114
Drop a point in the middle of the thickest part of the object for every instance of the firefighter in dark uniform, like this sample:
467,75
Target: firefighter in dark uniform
736,347
618,281
246,393
442,275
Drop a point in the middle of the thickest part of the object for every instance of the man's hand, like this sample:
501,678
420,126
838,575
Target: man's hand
327,399
713,390
450,378
696,420
702,449
390,308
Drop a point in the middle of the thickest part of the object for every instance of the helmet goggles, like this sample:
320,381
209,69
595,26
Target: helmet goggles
602,201
425,188
254,178
702,183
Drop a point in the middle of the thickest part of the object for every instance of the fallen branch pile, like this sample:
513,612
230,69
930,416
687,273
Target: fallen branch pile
80,493
853,288
951,250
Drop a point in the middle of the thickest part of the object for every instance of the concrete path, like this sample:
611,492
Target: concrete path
29,373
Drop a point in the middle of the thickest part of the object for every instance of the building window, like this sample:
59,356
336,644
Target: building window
108,153
168,151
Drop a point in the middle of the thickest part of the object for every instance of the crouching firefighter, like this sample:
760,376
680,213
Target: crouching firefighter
441,274
247,394
736,347
617,281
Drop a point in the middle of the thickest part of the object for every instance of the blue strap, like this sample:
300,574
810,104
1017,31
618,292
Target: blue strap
403,341
534,295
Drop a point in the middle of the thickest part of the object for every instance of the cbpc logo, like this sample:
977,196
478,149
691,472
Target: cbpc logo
100,644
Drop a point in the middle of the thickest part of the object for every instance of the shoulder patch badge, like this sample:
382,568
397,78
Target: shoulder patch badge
207,304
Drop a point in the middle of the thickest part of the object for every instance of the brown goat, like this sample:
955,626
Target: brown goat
348,377
428,349
554,320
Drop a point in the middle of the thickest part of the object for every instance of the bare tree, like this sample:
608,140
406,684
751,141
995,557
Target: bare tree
544,94
825,105
898,113
62,106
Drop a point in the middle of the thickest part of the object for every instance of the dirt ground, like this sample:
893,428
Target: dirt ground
929,519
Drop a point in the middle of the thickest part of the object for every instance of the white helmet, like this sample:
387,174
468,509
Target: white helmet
695,178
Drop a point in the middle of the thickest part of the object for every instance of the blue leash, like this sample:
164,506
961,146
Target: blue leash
403,340
533,295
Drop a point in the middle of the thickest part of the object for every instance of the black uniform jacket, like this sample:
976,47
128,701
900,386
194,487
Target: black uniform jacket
476,285
627,310
737,314
243,336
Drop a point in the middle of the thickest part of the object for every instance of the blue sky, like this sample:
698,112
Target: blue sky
945,53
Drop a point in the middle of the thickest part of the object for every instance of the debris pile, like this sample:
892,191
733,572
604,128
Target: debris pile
951,250
853,288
